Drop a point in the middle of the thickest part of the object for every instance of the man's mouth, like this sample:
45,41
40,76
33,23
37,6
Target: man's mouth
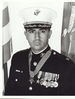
37,42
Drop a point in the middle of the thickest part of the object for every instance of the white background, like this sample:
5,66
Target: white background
17,30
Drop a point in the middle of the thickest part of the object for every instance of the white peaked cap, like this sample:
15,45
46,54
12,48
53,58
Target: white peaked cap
38,15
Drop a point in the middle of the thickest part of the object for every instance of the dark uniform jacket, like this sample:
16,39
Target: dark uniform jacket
56,77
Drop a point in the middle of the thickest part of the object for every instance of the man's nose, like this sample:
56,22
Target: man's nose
37,35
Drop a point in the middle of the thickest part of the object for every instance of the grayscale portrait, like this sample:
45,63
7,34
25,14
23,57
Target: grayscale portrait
38,48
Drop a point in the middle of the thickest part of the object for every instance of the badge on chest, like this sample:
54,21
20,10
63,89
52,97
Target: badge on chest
48,79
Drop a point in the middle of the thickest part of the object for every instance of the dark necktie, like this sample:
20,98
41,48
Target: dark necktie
37,57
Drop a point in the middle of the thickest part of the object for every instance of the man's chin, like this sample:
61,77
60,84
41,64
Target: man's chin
37,48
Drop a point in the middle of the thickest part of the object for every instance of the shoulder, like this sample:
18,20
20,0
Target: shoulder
21,54
19,59
62,58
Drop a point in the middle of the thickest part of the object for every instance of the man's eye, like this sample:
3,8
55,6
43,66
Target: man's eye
31,31
43,31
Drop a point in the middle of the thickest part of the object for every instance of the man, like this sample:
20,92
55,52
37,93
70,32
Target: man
40,70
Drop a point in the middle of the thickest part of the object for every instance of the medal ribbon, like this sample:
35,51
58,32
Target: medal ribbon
39,65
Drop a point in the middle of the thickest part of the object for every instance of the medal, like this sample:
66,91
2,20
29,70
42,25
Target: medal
38,67
31,80
31,77
38,81
31,74
55,84
51,84
39,74
45,83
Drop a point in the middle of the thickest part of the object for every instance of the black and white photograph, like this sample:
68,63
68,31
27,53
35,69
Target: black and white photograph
38,48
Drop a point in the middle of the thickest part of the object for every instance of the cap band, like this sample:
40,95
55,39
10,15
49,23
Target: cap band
37,26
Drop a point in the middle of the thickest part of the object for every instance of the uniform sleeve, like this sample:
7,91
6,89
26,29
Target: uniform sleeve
73,80
70,78
10,86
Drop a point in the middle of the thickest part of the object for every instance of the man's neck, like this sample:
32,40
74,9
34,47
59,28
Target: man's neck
38,52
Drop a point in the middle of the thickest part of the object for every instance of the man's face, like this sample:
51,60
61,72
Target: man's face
38,38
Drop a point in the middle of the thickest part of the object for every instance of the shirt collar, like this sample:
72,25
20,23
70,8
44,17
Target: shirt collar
42,52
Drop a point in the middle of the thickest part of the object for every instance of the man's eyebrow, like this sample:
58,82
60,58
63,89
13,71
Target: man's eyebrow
43,28
29,29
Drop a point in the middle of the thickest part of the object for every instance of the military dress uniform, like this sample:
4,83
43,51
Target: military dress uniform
56,77
46,73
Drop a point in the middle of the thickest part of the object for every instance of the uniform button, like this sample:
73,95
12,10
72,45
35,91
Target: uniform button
30,88
34,63
54,53
16,80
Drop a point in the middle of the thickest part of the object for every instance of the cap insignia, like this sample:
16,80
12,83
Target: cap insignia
36,12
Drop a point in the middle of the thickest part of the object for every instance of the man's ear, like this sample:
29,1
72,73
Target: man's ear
50,33
25,33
